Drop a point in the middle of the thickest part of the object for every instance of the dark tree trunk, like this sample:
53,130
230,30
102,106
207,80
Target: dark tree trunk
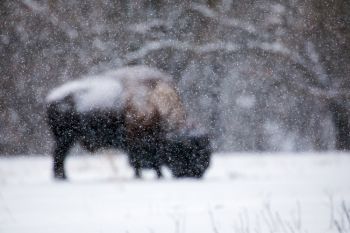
341,116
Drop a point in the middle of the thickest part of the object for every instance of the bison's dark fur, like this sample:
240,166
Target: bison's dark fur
146,120
187,154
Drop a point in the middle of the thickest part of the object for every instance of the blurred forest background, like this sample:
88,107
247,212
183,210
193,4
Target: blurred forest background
260,75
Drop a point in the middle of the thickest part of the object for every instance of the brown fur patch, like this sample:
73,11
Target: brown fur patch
152,102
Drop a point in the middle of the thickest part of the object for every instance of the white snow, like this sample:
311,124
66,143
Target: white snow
182,46
145,27
104,91
246,101
136,73
231,22
90,93
240,193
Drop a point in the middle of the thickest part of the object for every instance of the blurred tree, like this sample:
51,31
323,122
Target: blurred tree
328,29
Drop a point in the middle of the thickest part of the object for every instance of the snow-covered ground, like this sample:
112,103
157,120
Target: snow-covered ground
243,193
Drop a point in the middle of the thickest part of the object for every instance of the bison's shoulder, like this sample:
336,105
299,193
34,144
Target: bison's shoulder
152,100
169,105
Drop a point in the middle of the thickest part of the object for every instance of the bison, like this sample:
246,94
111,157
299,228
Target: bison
135,109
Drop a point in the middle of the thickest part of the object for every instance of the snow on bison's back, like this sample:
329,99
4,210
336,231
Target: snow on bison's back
136,109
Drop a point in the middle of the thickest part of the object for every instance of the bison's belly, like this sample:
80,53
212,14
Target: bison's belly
144,152
100,131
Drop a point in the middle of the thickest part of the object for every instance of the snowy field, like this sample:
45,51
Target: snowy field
244,193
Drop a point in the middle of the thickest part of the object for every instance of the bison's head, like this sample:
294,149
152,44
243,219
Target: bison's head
188,153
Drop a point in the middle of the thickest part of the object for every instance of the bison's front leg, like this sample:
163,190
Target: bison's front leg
159,172
139,158
134,161
60,153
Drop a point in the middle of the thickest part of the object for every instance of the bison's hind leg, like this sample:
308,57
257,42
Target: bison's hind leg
137,172
135,162
61,150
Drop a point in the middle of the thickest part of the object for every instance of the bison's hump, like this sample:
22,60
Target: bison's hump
89,94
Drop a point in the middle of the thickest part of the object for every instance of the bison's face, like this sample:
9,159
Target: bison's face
188,154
